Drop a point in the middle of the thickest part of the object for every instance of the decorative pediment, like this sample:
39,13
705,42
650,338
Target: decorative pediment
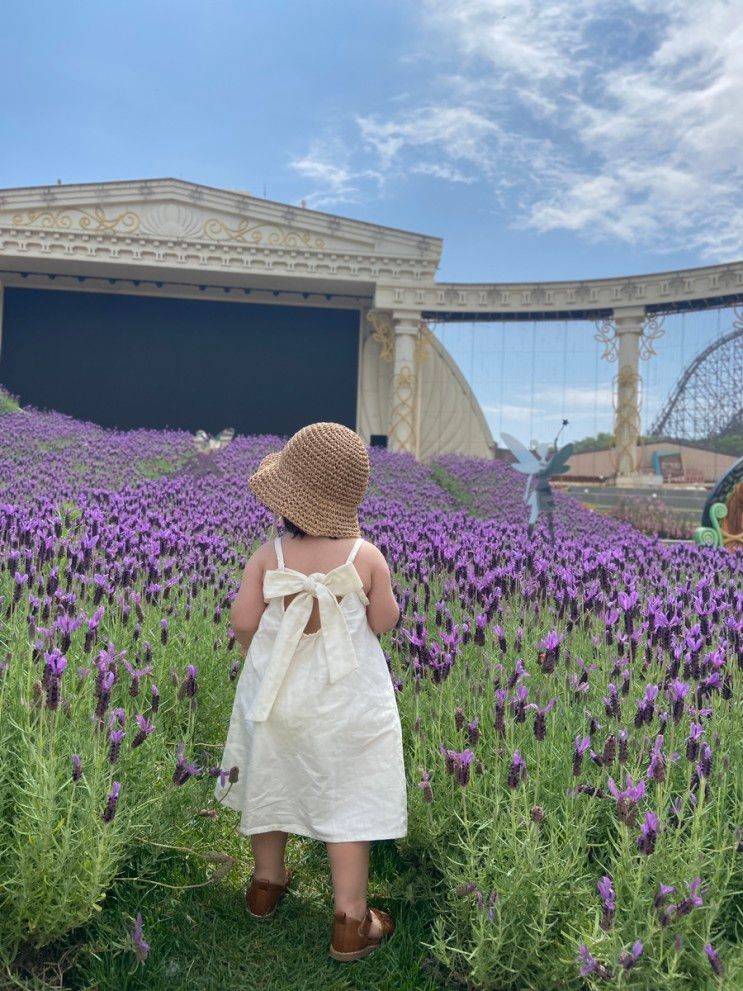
179,211
171,220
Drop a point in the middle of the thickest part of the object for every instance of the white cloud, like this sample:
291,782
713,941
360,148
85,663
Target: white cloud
578,397
615,119
513,412
649,127
461,132
446,172
327,167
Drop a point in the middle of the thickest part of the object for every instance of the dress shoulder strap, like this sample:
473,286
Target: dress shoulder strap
279,552
354,550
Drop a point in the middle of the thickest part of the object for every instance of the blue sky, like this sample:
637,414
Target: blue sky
544,140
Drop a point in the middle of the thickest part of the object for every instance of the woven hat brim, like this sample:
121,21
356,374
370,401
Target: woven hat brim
287,496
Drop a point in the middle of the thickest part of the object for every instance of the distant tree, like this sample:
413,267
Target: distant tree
601,442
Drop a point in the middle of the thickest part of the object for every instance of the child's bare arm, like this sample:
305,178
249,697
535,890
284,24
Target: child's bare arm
383,611
248,605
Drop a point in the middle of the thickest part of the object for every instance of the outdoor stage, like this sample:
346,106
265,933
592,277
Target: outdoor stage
162,302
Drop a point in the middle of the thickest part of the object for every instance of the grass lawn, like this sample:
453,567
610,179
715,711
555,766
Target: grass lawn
203,938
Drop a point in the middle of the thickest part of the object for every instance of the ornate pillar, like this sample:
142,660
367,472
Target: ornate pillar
404,405
398,334
627,337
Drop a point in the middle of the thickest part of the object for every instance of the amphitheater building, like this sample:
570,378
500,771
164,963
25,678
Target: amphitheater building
166,303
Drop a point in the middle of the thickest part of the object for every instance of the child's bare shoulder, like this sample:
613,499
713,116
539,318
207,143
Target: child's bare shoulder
371,554
264,556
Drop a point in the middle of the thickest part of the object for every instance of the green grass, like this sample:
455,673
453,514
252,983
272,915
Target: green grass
157,467
7,403
203,938
450,484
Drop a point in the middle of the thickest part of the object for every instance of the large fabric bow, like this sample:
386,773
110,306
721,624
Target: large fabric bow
339,649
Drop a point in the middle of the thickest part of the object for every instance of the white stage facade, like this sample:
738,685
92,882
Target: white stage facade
340,304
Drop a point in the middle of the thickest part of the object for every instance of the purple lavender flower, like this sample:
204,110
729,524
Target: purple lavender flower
581,745
183,770
611,702
54,667
646,706
696,730
537,814
425,785
141,949
145,728
705,761
470,888
77,770
590,965
111,803
221,773
677,692
499,634
623,746
627,799
500,711
462,772
114,739
664,890
714,960
605,889
693,900
136,675
459,718
588,962
449,758
648,833
628,958
550,646
517,770
540,718
657,768
473,732
609,751
518,704
103,690
190,685
519,672
116,717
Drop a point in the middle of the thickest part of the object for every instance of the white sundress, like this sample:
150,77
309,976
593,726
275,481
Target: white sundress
315,730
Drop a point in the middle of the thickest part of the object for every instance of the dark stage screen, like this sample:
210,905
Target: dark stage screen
138,361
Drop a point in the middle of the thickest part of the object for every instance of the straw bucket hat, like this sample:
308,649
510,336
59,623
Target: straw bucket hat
317,480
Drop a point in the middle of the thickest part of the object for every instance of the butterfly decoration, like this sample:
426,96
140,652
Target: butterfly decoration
207,447
206,444
536,467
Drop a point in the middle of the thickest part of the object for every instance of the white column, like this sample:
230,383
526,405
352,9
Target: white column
403,435
1,320
628,328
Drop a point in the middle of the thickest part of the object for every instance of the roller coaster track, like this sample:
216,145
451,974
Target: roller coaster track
707,400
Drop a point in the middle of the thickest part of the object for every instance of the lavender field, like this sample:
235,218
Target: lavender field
571,712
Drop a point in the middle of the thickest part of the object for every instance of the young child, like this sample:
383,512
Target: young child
315,730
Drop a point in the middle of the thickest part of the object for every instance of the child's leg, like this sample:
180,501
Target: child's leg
349,868
268,852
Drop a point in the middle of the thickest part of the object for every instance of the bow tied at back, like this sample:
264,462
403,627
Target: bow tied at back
339,650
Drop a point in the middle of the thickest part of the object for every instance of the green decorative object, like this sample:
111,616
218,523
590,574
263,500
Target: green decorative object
711,536
725,502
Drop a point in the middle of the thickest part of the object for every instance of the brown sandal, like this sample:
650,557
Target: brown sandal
351,939
262,897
